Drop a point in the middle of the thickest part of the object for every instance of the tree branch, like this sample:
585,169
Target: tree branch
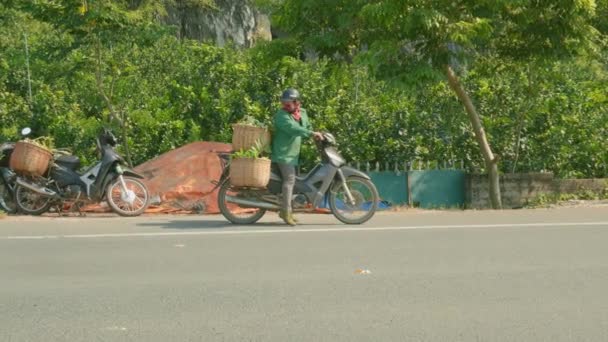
101,88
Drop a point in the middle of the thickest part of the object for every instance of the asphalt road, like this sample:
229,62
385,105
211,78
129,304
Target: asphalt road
526,275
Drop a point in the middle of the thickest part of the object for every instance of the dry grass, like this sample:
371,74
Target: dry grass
405,208
399,209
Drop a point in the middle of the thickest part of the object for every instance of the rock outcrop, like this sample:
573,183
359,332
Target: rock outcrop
236,21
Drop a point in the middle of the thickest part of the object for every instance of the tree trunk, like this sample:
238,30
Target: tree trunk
113,114
126,141
490,159
29,75
100,85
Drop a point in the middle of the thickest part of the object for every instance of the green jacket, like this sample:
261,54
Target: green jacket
287,137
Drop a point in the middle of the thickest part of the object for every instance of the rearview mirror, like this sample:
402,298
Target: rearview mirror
26,131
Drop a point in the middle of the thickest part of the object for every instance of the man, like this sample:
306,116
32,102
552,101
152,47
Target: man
291,124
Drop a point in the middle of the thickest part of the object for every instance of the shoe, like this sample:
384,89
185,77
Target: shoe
290,214
287,217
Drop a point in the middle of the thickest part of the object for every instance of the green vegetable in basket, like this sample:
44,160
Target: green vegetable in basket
258,151
46,143
249,120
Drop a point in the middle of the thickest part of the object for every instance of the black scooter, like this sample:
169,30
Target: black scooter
349,193
8,176
7,179
109,179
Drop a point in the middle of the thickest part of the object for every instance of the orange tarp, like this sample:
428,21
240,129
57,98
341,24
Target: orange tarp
183,177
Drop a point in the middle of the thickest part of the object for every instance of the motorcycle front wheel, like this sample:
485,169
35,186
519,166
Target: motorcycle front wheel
233,212
30,202
130,198
364,206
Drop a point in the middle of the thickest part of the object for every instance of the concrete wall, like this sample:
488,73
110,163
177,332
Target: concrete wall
568,186
517,189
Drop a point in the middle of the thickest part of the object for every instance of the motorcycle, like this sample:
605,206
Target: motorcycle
109,179
350,193
7,179
8,176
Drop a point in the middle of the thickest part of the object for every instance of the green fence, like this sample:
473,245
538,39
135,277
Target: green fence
437,188
392,186
441,188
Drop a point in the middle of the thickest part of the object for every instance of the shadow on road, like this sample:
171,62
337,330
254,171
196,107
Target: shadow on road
219,224
190,224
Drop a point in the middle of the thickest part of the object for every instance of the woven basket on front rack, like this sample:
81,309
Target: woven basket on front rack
250,172
30,159
245,137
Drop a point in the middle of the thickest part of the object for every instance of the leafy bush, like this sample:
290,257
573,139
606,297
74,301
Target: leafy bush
171,92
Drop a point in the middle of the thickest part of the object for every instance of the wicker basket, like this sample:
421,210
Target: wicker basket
30,159
250,172
245,137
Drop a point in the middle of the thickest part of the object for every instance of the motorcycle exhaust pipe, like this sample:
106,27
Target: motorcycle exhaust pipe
37,189
252,203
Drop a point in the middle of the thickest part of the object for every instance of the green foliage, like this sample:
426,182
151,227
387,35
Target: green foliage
546,200
439,31
386,105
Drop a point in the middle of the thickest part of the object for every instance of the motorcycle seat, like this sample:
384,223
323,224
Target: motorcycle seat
70,162
275,169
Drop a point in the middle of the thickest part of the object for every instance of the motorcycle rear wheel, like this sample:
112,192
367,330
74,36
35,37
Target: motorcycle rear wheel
238,215
30,202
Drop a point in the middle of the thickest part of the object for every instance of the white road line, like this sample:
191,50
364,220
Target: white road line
300,230
31,237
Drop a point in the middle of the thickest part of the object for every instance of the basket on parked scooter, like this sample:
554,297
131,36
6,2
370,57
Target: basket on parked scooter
30,159
245,137
250,172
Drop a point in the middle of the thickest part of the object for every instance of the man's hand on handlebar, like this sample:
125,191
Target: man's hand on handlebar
317,136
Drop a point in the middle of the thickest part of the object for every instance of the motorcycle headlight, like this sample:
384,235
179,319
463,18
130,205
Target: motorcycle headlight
329,139
335,157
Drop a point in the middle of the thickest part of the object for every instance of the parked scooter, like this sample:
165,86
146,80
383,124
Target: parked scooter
7,179
350,193
8,176
109,179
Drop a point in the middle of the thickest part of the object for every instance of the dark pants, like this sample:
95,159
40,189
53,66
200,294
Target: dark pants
288,172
